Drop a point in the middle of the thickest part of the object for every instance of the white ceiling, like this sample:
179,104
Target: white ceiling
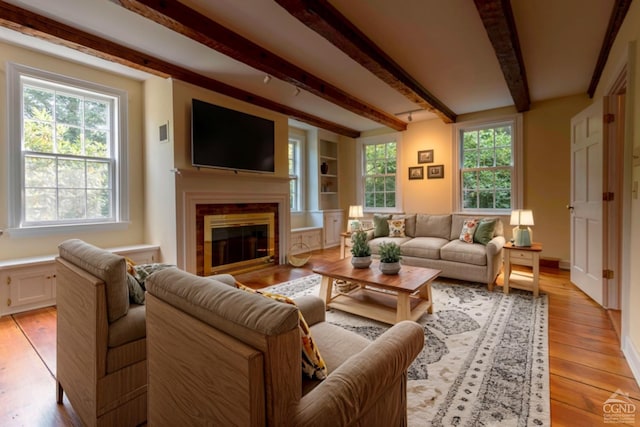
441,43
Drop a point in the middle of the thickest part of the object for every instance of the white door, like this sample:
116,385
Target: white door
586,201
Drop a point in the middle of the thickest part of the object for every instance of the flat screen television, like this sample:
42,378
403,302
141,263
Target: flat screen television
229,139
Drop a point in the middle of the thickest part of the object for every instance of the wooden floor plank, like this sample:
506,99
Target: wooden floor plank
30,395
39,326
581,374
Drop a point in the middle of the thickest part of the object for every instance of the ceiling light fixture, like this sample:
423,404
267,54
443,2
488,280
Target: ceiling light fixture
409,114
267,79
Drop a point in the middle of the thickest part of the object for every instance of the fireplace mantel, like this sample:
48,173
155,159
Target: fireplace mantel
189,258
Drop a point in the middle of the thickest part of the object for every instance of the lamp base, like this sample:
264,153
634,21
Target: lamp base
355,225
521,236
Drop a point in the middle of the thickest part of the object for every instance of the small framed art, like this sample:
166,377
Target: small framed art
416,172
425,156
436,171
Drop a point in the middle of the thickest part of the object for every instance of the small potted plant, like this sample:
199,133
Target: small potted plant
360,250
389,257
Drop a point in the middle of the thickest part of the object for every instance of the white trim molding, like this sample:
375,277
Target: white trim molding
632,356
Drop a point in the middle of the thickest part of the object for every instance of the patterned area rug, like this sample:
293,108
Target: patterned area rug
485,360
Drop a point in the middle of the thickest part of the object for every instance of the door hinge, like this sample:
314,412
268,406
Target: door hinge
608,196
609,118
607,274
8,302
8,280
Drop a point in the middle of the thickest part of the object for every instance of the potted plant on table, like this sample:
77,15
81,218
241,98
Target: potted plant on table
360,250
389,257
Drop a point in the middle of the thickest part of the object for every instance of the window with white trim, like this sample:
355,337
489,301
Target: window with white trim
296,173
67,150
488,155
379,186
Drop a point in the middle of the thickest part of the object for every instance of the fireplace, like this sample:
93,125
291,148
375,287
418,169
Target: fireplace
238,242
236,237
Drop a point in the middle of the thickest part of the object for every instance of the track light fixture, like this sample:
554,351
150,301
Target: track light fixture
409,114
267,79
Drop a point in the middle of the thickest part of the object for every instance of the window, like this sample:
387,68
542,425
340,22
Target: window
68,166
379,185
488,155
296,145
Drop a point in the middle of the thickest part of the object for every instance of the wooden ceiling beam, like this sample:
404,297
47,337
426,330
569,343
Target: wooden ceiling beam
497,17
618,13
27,22
190,23
327,21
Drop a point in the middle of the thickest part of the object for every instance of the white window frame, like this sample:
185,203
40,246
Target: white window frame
515,121
299,136
15,180
360,162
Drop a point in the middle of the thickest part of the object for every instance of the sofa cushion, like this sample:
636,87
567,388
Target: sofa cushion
468,230
106,266
128,328
338,346
409,223
375,243
459,251
313,365
396,227
484,231
380,225
434,226
423,247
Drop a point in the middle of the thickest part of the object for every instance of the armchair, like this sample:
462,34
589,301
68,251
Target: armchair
101,343
221,356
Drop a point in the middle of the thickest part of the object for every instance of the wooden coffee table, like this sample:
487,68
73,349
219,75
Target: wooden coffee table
383,297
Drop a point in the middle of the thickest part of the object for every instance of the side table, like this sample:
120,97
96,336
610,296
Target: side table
345,242
522,255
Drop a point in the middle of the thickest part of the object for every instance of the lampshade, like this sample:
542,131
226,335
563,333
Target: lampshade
522,217
355,211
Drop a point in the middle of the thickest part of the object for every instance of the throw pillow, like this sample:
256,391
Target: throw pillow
137,275
484,231
468,229
313,365
396,227
380,225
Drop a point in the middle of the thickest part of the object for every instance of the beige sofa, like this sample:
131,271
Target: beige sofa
221,356
433,241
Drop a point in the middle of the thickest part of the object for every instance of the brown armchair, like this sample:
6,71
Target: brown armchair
101,338
221,356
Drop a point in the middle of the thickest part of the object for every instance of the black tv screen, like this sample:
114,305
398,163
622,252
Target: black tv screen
229,139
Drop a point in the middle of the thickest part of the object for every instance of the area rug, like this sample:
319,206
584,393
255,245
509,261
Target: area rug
485,360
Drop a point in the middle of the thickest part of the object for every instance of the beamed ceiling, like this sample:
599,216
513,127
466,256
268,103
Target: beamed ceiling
358,65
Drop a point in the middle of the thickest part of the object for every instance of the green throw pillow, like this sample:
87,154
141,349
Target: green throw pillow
484,231
380,225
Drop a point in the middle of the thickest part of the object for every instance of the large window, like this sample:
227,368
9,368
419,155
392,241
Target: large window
488,155
379,185
66,151
296,148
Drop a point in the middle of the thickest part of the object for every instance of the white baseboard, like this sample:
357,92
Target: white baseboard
633,357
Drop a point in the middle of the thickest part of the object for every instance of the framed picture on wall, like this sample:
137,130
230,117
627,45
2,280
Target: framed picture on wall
436,171
416,172
425,156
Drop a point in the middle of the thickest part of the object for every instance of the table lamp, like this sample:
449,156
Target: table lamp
522,219
355,213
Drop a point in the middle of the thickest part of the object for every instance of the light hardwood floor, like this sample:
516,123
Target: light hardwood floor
586,364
